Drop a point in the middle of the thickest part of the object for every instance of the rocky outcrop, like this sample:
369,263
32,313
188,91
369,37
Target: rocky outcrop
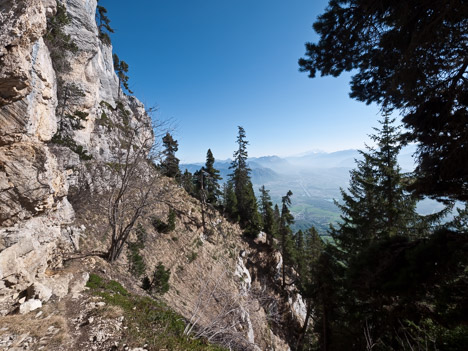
22,25
35,174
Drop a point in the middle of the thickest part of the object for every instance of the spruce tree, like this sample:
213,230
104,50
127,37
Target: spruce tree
379,222
308,247
377,205
249,217
170,164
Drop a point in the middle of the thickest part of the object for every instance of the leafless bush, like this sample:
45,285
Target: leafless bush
122,188
221,315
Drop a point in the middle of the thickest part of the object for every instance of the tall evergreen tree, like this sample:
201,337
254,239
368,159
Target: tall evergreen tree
286,243
249,217
230,201
299,252
379,222
268,216
309,247
377,204
277,215
212,177
170,164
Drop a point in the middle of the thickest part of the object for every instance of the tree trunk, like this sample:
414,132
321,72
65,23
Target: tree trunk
300,340
325,340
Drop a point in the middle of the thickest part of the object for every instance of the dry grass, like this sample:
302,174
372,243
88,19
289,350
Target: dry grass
37,328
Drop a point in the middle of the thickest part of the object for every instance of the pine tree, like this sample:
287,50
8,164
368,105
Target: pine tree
170,164
459,222
59,43
268,216
249,217
121,68
408,56
69,96
103,24
286,243
313,245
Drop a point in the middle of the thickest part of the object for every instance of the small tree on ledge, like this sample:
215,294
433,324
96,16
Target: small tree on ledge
103,24
121,69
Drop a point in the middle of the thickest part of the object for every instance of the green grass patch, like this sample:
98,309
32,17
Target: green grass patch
149,321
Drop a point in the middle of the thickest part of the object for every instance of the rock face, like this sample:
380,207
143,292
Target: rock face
35,174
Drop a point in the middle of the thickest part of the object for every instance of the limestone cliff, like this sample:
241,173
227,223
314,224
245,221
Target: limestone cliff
53,120
34,173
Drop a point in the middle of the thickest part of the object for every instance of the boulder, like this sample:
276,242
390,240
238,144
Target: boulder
29,306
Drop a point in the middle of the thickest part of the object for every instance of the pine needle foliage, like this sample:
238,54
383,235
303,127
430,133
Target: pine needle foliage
247,211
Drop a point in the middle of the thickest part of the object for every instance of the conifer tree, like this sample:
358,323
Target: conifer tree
377,204
309,247
69,96
170,164
299,252
277,215
249,217
121,68
286,243
212,177
459,222
59,43
378,220
408,56
313,245
230,202
186,180
103,24
268,216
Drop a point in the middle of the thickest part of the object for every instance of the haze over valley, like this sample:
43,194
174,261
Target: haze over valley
315,179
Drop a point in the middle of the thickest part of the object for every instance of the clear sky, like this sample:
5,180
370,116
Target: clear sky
212,65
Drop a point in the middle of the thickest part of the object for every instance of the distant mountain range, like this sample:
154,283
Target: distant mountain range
315,179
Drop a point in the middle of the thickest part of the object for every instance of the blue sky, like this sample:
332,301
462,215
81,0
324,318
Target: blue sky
211,65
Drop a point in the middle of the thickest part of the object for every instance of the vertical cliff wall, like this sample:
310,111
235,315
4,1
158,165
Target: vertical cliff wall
35,170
